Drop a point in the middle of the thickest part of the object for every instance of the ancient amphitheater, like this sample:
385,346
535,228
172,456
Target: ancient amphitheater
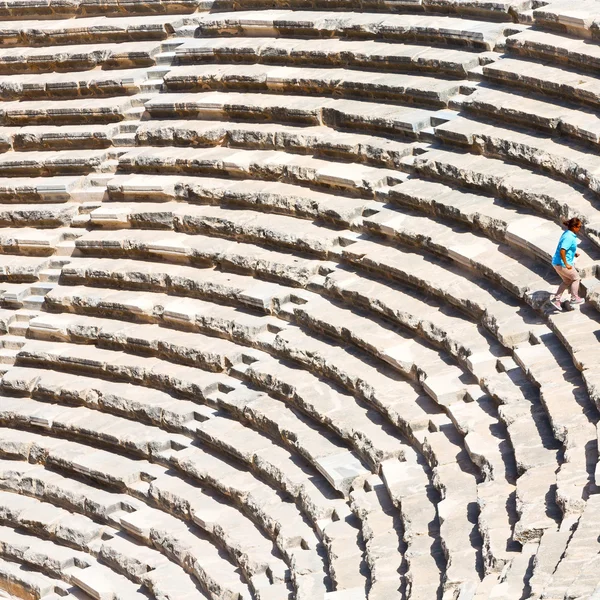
274,282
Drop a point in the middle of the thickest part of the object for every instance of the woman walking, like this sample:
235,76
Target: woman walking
565,254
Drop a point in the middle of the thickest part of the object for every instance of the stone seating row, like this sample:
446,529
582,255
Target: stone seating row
419,89
454,128
364,25
440,469
512,234
532,110
554,48
24,582
50,190
358,180
76,111
400,305
484,255
581,20
543,194
32,241
58,560
352,115
83,243
320,141
62,137
48,9
17,9
527,461
502,319
262,415
30,269
534,150
331,52
373,446
247,542
79,57
497,220
116,513
63,162
385,220
55,32
166,513
72,84
315,349
311,314
544,78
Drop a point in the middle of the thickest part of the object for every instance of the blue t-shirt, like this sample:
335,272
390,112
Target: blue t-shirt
567,242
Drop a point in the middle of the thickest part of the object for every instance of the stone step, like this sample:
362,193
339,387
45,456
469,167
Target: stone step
408,484
431,91
564,397
36,215
549,552
237,224
65,162
572,577
576,330
32,241
53,10
397,27
264,164
541,193
259,195
88,29
544,78
331,52
494,217
554,48
381,528
535,151
19,580
124,55
354,115
539,112
56,112
216,473
319,141
580,20
73,84
216,574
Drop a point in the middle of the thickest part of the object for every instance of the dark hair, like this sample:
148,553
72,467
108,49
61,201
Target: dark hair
571,223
